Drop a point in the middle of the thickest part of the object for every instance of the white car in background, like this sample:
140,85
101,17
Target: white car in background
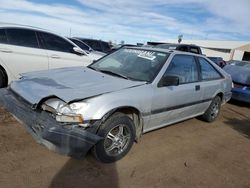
26,49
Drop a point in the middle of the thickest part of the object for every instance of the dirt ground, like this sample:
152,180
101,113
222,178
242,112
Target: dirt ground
188,154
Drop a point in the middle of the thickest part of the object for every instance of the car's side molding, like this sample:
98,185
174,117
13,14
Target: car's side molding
160,110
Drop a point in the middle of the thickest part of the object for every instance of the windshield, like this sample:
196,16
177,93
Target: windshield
134,64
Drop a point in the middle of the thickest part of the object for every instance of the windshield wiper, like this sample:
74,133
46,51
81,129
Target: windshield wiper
93,68
114,73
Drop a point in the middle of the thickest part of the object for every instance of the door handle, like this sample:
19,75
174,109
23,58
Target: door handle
54,56
197,87
5,50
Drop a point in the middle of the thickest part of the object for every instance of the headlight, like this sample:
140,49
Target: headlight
64,112
69,118
64,109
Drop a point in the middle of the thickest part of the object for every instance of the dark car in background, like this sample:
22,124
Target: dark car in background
118,46
218,60
240,73
81,44
97,45
181,47
87,48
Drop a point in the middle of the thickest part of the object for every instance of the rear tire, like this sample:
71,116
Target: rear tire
2,79
213,110
118,132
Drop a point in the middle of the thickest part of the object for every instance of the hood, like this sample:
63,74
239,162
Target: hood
239,74
68,84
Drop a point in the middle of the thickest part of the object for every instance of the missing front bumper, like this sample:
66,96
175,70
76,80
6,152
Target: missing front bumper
69,140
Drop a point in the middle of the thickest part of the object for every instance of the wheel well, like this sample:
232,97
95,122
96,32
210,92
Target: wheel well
5,74
220,95
134,114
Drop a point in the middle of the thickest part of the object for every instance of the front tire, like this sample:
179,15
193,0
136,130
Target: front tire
213,110
118,132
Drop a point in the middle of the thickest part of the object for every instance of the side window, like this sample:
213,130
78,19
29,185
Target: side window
87,42
208,72
96,45
80,44
3,37
53,42
182,48
183,66
22,37
194,50
105,46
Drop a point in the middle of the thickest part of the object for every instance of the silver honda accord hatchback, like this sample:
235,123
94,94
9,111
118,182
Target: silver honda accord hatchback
108,105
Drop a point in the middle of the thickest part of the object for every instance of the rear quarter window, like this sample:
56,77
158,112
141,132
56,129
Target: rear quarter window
208,72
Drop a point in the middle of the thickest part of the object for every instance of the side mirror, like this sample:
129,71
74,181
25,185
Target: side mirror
78,51
169,81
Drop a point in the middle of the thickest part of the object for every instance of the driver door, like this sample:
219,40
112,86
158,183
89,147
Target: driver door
175,103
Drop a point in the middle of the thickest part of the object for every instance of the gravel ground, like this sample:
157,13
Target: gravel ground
188,154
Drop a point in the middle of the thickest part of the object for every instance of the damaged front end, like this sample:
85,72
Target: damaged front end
63,112
58,128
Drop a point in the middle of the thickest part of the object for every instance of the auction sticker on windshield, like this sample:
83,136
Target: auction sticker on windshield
142,53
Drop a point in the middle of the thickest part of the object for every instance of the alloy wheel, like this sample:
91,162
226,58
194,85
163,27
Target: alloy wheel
117,140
